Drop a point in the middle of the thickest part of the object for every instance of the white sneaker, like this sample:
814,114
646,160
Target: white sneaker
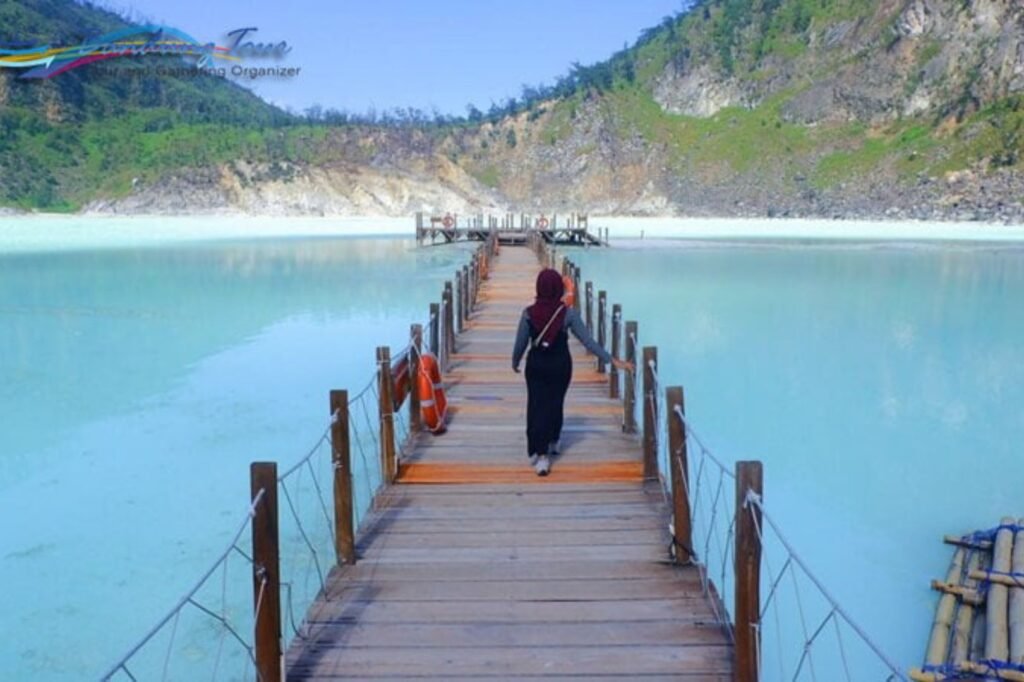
533,460
542,466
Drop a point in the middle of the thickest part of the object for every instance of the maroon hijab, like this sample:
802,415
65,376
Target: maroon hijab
549,298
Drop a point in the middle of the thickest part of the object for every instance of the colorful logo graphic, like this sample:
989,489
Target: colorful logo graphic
137,41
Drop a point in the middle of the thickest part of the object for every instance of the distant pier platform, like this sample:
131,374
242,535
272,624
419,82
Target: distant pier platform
509,228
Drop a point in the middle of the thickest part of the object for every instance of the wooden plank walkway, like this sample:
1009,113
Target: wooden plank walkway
475,568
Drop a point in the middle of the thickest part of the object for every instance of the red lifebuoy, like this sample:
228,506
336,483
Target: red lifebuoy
433,403
542,223
569,297
448,221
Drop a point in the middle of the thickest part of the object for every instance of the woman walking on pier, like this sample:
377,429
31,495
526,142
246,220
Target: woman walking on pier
544,328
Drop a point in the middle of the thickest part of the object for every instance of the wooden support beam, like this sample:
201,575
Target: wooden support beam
578,303
589,314
388,465
435,319
679,468
449,323
266,581
613,374
629,399
459,304
341,458
602,325
415,416
650,395
749,479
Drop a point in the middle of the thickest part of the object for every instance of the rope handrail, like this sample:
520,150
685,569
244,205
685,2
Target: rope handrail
752,501
189,598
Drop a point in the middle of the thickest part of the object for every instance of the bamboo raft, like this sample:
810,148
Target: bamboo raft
978,631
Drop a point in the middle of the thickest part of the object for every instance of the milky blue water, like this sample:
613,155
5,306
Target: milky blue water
136,386
882,387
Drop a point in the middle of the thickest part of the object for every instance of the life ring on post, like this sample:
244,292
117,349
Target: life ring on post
542,223
448,221
569,297
433,403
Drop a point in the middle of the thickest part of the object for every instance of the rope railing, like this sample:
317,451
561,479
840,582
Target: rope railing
810,635
151,659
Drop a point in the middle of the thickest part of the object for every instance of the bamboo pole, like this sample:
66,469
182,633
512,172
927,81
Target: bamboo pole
681,522
1017,598
961,648
602,326
650,424
629,399
997,646
386,391
938,642
341,457
266,578
415,416
749,478
613,374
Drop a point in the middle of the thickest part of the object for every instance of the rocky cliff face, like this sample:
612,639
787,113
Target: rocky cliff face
833,108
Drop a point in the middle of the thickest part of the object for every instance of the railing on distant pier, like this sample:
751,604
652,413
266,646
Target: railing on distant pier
573,229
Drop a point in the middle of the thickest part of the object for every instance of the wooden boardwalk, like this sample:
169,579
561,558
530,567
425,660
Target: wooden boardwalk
473,567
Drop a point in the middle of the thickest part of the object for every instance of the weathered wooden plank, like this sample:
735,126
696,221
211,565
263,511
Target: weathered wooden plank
566,472
523,538
454,661
518,570
515,591
494,554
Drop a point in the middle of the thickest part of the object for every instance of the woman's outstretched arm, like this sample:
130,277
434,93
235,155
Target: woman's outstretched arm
579,330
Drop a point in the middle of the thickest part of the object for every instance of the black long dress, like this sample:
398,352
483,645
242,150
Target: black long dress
548,373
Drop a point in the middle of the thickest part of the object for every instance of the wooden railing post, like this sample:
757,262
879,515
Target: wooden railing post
681,522
460,302
613,374
578,303
341,457
266,573
465,296
415,416
386,391
629,399
589,314
435,320
449,323
749,479
602,325
650,425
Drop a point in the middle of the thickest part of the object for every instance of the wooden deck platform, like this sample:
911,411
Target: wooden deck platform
474,568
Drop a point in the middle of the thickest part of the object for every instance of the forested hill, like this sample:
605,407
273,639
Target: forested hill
905,108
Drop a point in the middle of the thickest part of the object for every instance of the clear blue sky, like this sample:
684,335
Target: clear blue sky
423,53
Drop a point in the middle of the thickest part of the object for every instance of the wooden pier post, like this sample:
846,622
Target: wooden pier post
386,391
465,296
589,314
650,397
680,472
460,305
449,325
629,399
341,458
415,416
602,325
578,303
749,478
613,374
435,323
266,583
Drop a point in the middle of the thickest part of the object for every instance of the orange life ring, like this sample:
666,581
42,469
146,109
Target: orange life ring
433,403
569,297
448,221
542,223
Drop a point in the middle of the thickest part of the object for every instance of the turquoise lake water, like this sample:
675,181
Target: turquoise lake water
882,386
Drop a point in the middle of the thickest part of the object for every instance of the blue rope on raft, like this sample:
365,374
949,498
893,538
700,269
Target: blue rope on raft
990,534
993,665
